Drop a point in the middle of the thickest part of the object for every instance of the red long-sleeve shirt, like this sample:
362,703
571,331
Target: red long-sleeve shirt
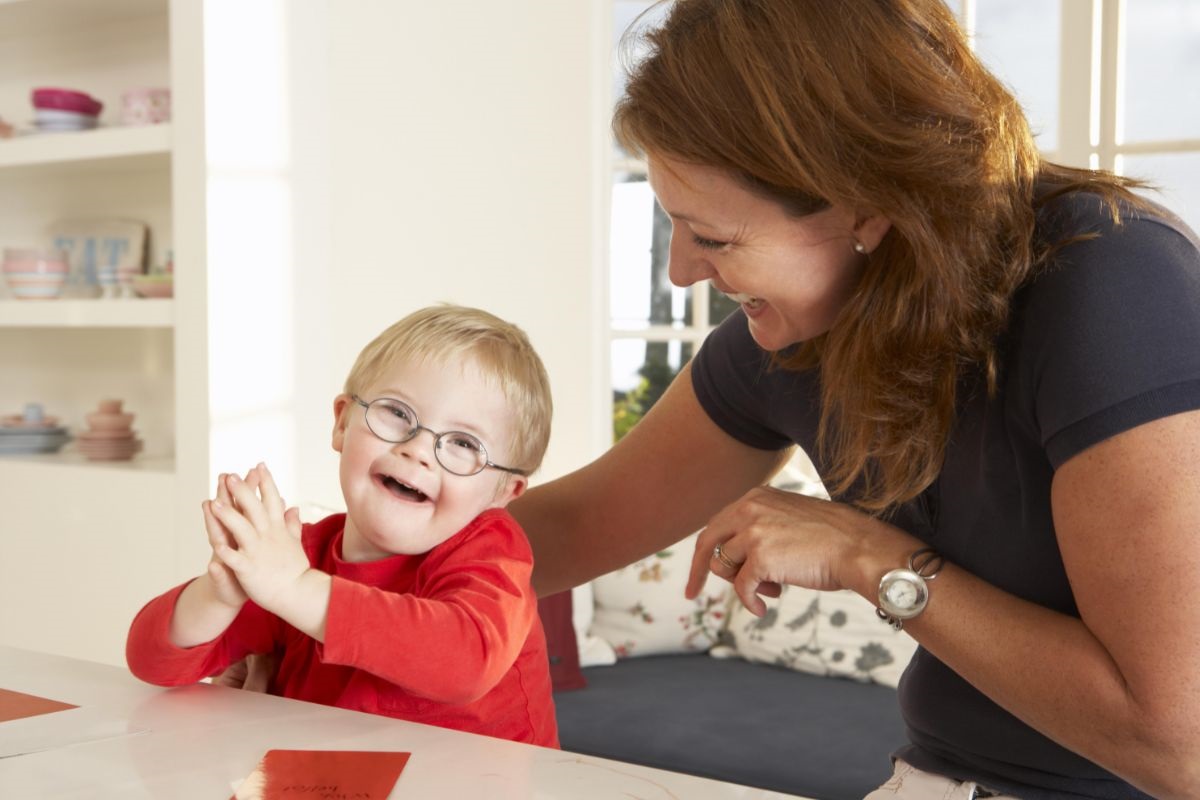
450,637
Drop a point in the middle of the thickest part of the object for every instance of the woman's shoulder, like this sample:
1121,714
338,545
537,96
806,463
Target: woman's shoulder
1080,215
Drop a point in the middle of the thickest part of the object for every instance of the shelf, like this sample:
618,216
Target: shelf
145,145
101,313
155,467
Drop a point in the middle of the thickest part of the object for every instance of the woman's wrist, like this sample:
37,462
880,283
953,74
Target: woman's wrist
881,549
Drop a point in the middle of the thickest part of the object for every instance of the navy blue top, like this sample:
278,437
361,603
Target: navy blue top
1104,339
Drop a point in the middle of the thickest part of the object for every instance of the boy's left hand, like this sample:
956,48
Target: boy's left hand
269,560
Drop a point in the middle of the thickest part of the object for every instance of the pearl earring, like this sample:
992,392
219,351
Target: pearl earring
860,248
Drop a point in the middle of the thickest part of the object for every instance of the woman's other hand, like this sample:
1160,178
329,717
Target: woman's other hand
772,537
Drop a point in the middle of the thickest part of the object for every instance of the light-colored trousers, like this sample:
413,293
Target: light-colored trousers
909,783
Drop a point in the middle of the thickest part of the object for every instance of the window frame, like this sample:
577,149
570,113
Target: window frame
1090,115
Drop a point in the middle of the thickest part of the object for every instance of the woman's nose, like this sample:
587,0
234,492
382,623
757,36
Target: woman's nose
685,264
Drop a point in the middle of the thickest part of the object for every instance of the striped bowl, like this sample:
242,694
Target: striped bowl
35,274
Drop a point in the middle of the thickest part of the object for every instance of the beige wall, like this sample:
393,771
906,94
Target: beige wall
435,152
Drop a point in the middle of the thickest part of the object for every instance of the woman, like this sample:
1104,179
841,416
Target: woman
993,360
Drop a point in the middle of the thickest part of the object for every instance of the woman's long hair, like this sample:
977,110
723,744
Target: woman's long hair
879,106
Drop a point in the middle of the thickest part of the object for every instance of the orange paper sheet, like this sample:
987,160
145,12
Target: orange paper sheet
15,705
294,774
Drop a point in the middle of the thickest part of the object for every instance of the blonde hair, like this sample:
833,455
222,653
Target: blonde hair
448,334
878,106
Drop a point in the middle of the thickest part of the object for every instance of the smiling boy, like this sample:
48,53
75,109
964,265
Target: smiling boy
415,603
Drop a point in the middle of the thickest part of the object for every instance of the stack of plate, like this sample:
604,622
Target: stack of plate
110,435
19,436
108,445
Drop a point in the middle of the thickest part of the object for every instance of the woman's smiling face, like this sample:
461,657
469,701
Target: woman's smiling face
791,274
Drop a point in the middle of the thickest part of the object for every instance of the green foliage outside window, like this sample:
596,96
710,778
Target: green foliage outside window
656,375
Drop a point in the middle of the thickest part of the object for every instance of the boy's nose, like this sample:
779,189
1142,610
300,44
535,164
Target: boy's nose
420,447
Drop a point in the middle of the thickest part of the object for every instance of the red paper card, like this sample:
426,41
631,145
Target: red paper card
350,774
15,705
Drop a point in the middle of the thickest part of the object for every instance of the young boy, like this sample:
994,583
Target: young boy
415,603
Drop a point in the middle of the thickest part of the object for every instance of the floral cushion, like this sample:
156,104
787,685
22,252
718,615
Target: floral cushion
824,633
640,609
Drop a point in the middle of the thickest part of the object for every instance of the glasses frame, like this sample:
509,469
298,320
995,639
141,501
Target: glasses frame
417,427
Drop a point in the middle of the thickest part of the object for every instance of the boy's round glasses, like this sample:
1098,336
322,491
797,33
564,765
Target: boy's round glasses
459,453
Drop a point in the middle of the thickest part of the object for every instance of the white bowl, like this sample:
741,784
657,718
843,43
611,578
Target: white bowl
53,119
35,285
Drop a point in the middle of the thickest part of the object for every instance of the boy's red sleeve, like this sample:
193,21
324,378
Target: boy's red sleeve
453,639
153,658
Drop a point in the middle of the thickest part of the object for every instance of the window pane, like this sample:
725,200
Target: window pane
1177,175
626,13
1162,70
640,290
1019,41
641,372
719,307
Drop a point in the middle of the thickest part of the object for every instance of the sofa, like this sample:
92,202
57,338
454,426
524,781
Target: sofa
801,701
737,721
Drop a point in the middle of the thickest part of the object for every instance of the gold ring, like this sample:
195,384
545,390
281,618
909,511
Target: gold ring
719,555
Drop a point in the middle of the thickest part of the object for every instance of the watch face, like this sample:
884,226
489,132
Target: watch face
902,593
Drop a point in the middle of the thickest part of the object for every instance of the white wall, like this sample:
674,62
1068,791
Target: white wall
433,152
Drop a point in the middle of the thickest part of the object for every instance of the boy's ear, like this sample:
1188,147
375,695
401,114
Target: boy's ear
340,418
511,487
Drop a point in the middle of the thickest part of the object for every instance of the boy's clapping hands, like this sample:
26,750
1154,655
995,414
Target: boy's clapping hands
261,541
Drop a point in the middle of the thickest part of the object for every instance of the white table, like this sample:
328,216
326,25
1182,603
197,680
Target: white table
200,741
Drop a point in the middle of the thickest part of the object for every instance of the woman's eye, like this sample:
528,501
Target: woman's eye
707,244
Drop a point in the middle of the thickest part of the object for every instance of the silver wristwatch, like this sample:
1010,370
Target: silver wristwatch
904,593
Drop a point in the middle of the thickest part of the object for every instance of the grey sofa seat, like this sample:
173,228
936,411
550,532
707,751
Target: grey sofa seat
732,720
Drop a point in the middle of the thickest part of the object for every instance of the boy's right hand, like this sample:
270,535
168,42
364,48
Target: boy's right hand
225,582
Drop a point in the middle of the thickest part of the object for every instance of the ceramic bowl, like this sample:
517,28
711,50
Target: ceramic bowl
146,106
33,260
101,435
110,451
154,285
101,421
50,119
110,406
66,100
30,277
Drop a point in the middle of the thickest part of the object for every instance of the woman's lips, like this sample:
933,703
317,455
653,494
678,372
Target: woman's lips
744,299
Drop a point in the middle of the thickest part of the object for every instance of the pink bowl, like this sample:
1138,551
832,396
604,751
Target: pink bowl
30,262
100,421
67,100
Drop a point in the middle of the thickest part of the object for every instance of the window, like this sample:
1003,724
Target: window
1105,83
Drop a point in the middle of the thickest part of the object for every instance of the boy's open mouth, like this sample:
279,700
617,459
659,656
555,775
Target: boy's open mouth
402,490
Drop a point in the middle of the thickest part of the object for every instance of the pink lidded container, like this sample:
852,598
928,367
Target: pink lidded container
33,274
146,106
66,100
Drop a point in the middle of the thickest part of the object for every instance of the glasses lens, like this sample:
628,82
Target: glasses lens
461,453
391,420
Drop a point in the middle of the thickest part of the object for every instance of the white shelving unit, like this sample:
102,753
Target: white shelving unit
117,148
129,313
86,543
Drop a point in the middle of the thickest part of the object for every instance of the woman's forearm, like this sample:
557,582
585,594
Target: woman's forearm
1051,672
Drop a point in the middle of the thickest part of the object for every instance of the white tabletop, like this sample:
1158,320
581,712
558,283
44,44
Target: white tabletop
131,740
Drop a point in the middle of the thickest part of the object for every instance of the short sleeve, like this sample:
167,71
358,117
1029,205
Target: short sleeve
734,382
1110,335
